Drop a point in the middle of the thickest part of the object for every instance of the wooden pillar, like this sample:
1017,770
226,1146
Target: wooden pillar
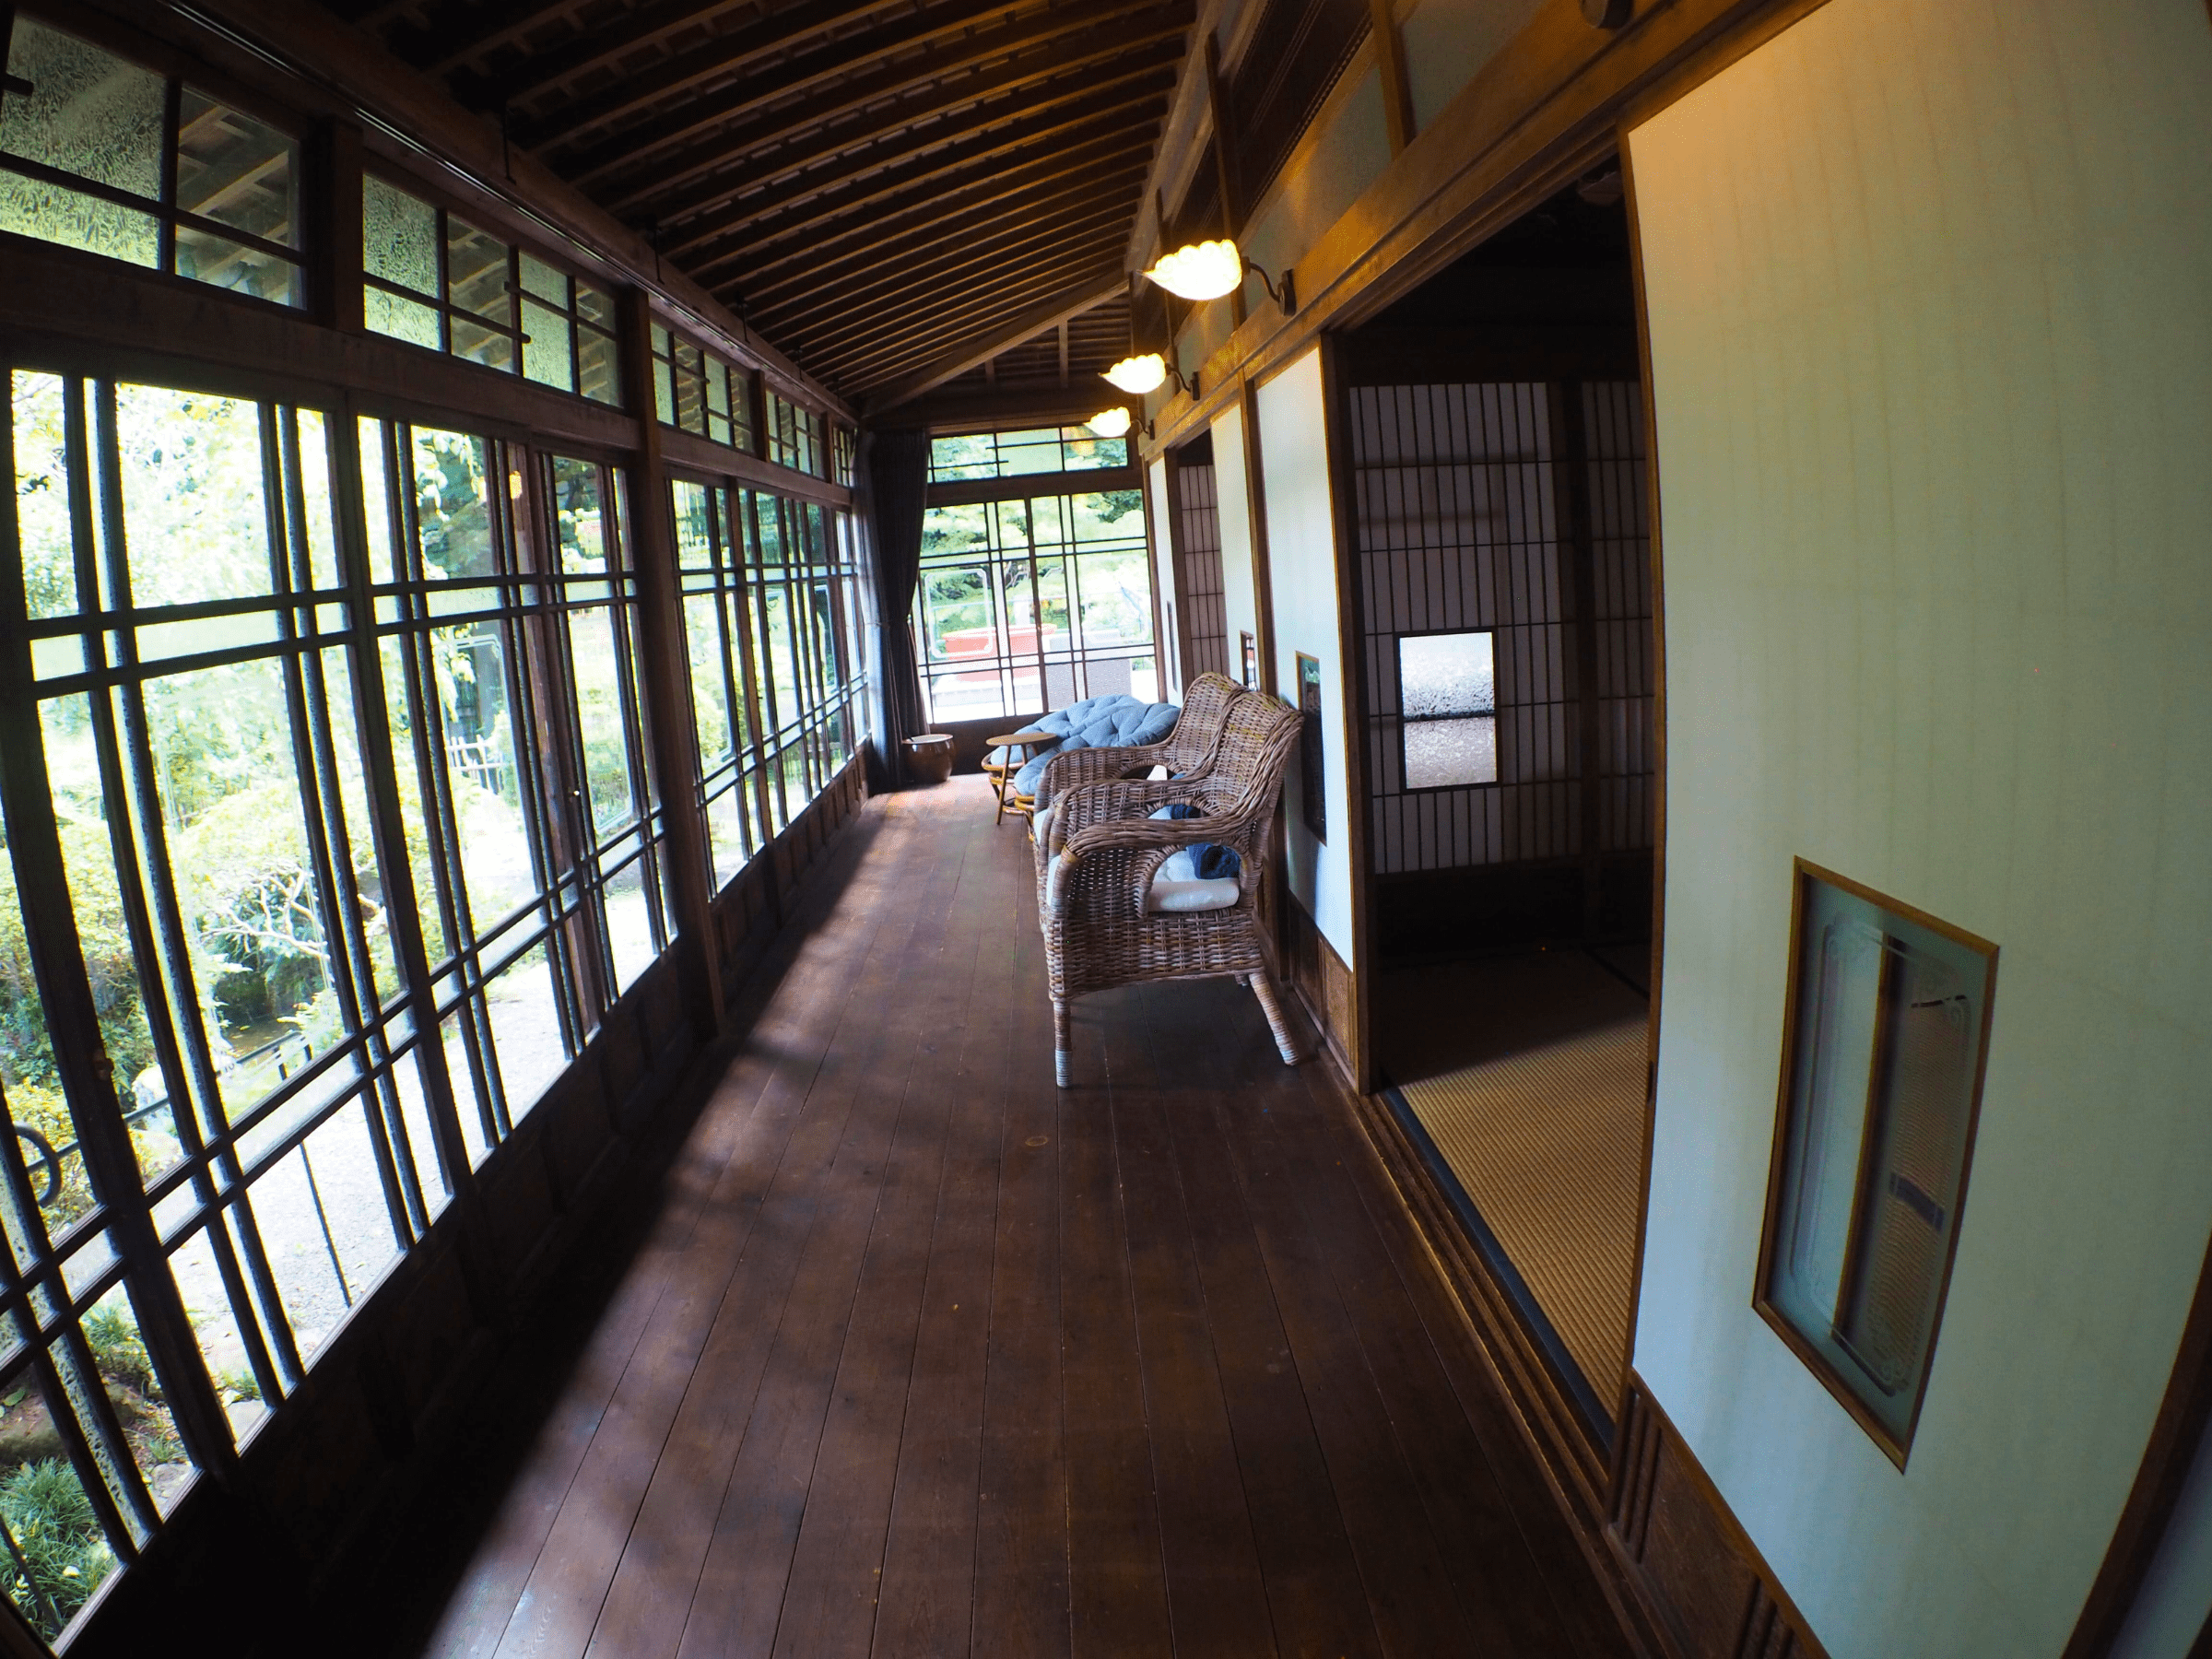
1255,512
334,196
665,682
1228,176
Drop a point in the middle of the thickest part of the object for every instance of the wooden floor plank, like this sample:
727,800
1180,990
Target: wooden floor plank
1021,1607
912,1353
830,1600
562,1603
1409,1585
1117,1584
929,1547
807,967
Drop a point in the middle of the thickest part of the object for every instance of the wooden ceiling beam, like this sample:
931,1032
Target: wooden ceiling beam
494,27
889,359
935,153
670,116
631,153
1020,215
821,248
1137,48
650,25
1072,300
1004,171
914,297
976,287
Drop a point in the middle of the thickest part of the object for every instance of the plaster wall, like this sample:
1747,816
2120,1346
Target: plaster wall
1159,512
1302,563
1932,364
1239,589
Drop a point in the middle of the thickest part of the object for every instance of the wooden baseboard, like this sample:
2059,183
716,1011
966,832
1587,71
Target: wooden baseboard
1699,1577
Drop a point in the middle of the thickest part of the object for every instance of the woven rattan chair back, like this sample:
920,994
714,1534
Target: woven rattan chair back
1100,930
1207,701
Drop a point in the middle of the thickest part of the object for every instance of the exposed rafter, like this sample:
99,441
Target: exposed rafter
888,190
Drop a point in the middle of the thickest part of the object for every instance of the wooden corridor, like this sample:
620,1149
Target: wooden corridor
906,1352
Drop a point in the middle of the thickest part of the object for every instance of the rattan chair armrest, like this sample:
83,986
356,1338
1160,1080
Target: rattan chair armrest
1071,769
1142,834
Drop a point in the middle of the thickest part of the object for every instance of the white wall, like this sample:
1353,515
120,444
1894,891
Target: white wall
1238,592
1448,41
1930,295
1302,568
1160,512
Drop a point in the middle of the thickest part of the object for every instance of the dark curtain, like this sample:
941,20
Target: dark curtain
898,478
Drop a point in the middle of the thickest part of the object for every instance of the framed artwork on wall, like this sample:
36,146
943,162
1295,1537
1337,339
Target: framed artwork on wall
1250,661
1315,801
1885,1037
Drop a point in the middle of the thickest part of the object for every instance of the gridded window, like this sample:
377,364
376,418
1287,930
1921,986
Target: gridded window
1012,454
843,443
699,392
505,618
1030,605
224,1120
802,583
711,524
431,278
100,154
797,437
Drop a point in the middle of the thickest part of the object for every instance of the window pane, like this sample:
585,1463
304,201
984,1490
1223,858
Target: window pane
599,717
236,170
64,1552
320,517
89,112
453,503
482,345
710,697
1447,703
596,367
400,319
545,356
253,912
578,518
525,1029
42,496
476,272
194,518
470,662
56,213
399,239
629,924
226,263
595,306
545,281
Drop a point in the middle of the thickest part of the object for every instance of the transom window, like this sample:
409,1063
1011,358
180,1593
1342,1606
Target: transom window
431,278
100,153
699,392
1012,454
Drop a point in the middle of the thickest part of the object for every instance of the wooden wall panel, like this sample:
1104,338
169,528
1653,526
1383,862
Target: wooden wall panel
1324,983
1701,1580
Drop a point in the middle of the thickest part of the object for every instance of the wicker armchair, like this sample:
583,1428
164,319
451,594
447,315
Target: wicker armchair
1186,750
1096,899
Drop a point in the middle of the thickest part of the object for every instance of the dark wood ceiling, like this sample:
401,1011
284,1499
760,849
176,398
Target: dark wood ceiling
887,189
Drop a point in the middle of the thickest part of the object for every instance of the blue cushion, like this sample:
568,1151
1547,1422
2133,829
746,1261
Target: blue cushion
1116,721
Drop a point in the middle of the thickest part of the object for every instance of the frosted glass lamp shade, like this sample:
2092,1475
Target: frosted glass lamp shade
1109,423
1138,375
1200,270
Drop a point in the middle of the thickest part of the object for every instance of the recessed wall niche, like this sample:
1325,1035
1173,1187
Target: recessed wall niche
1885,1035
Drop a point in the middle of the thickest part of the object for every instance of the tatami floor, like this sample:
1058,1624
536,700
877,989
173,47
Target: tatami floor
910,1352
1527,1072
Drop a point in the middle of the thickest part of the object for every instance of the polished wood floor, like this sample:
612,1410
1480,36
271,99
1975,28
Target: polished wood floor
908,1352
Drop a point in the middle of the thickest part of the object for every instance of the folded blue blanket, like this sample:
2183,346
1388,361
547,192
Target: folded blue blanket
1119,720
1209,860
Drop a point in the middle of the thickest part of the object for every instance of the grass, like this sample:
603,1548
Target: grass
59,1539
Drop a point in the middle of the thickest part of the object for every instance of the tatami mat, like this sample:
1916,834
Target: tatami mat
1548,1138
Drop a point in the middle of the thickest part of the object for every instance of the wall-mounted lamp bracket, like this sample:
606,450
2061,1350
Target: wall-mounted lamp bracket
1286,296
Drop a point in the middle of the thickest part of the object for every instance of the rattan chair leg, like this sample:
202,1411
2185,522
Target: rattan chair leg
1063,1062
1277,1022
